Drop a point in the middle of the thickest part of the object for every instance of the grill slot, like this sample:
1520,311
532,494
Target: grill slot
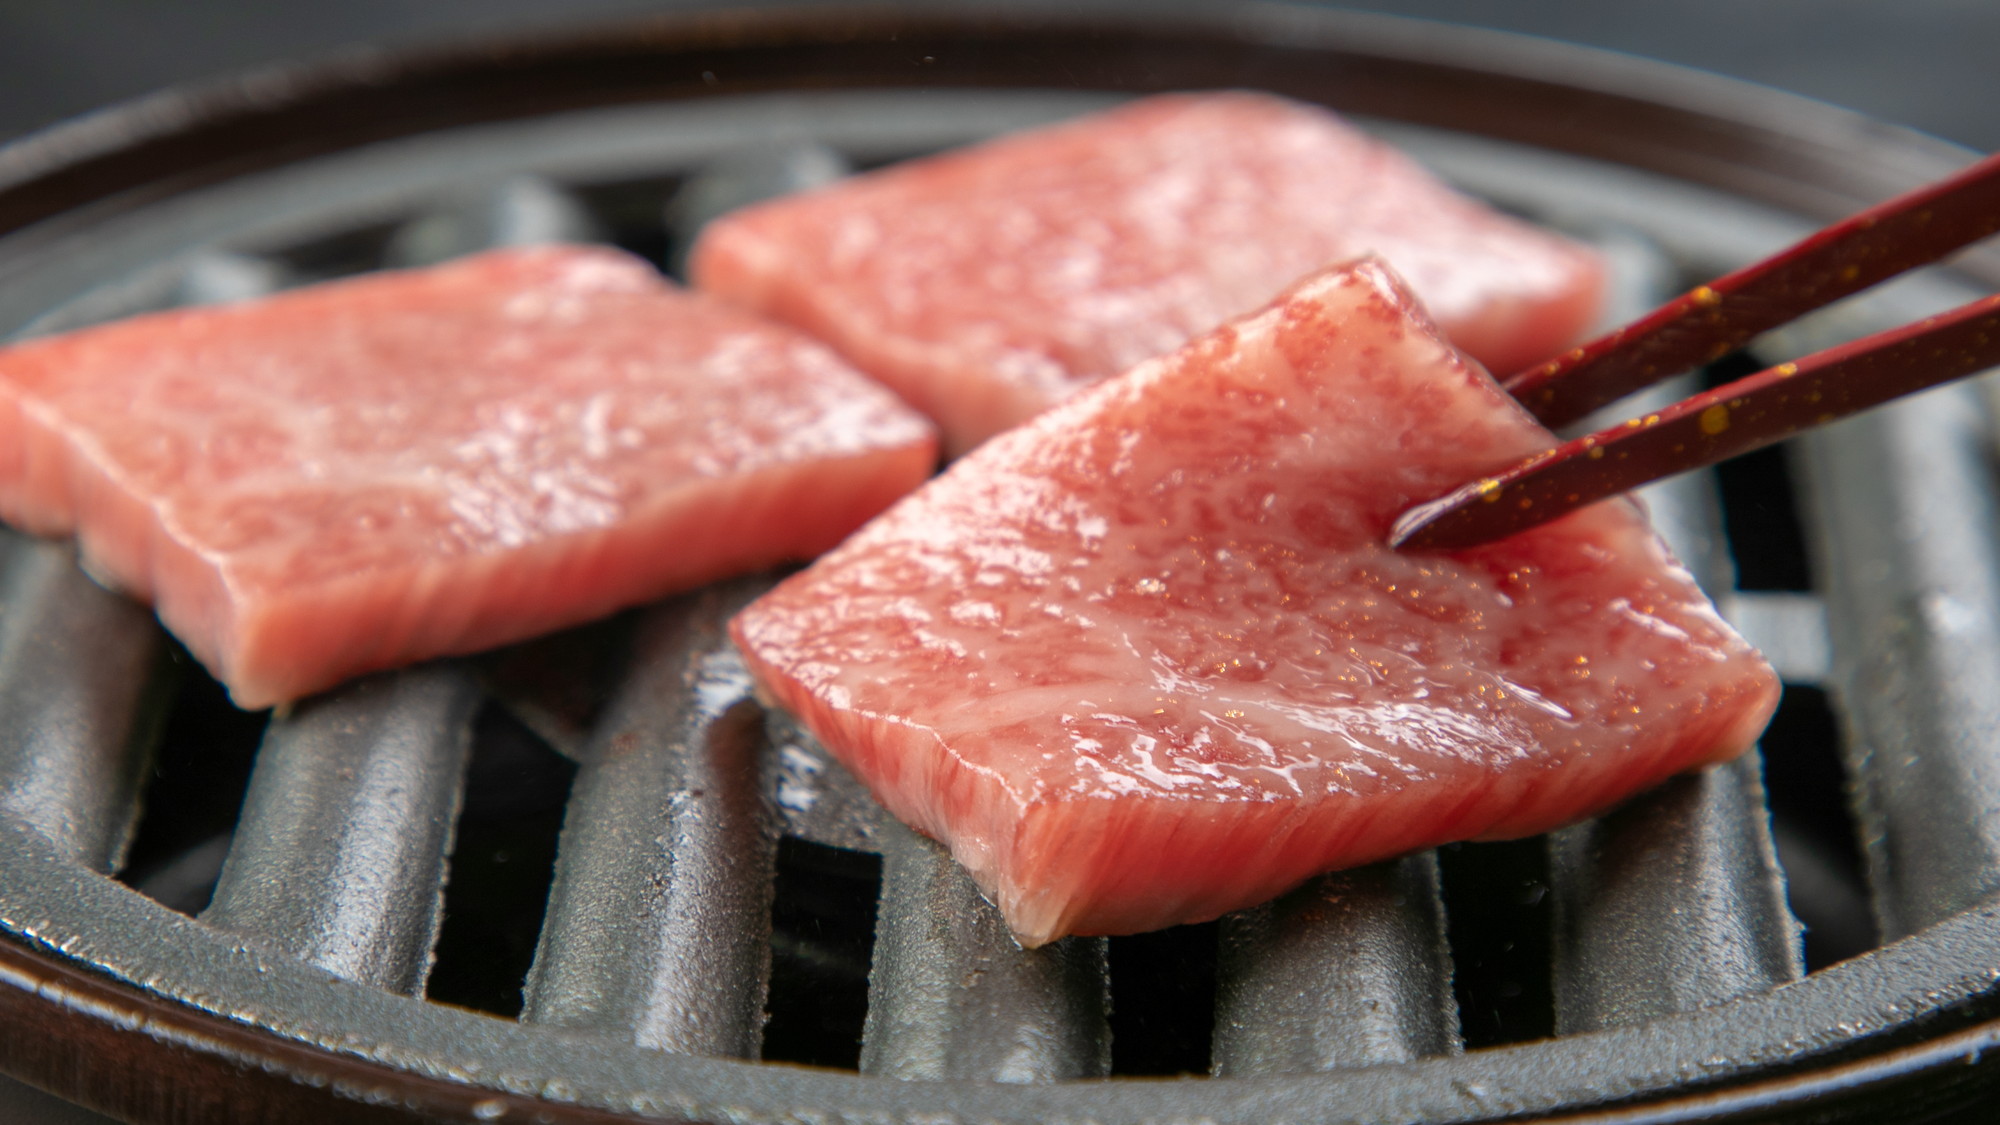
356,249
339,853
952,996
659,920
502,860
1814,829
1163,1000
77,714
1759,502
1497,927
823,915
634,214
1757,498
195,788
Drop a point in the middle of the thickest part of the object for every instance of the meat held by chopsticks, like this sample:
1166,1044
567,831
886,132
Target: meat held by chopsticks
1148,658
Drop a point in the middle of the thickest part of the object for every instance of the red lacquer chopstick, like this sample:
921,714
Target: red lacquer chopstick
1712,320
1749,413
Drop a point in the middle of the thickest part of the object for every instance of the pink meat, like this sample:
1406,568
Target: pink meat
368,473
1146,659
986,284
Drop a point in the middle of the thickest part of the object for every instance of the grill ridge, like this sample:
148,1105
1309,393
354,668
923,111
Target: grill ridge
952,996
659,921
1350,970
77,665
339,853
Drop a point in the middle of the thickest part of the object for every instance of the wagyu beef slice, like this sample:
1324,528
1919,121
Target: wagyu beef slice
1146,659
371,472
986,284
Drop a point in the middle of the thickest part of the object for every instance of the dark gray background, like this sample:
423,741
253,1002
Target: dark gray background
1932,64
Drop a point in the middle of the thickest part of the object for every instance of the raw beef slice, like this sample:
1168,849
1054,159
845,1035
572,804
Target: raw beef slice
1146,659
986,284
371,472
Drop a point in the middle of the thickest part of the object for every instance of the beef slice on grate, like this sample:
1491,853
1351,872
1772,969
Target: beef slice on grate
1146,659
986,284
371,472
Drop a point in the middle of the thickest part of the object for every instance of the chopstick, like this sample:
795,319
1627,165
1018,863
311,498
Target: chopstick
1739,417
1709,322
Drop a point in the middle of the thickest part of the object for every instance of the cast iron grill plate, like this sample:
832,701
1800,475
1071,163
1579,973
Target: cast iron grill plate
1675,985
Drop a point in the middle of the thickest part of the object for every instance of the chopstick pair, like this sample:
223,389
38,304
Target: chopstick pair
1707,323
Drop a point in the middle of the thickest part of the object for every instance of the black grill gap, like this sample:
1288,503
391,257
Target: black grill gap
1498,912
1759,506
633,214
1163,1001
351,251
501,866
194,791
822,941
875,163
1816,836
558,683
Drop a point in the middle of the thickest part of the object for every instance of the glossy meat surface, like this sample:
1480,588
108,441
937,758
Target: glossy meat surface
1146,660
986,284
372,472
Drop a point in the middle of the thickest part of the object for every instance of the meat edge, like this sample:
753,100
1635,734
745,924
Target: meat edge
1059,843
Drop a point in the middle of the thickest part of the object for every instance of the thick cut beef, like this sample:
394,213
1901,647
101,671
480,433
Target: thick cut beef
375,471
1146,659
985,284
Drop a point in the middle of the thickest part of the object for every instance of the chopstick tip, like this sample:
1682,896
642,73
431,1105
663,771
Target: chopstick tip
1427,526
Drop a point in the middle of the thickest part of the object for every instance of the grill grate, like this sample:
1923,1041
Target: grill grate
658,932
